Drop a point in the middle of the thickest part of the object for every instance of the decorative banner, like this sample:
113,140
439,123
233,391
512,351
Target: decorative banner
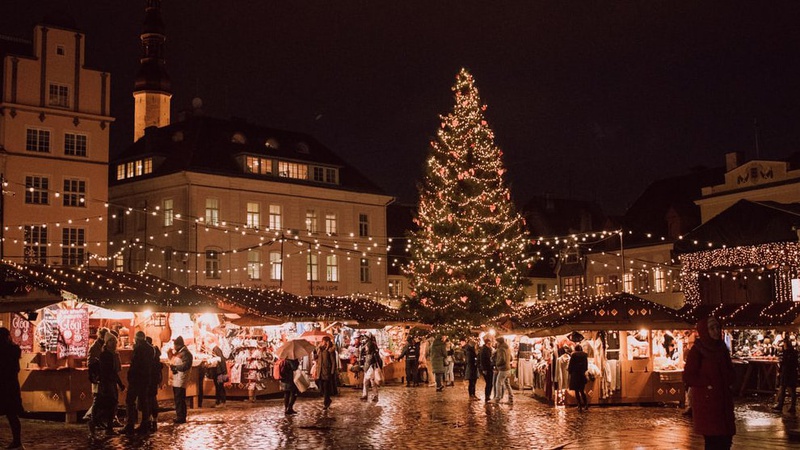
22,333
73,328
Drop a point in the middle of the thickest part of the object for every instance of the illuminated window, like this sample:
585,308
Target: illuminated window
119,263
73,242
260,166
37,140
253,219
74,193
363,225
59,95
148,165
659,280
275,266
292,170
627,282
169,212
330,223
275,217
395,288
311,220
364,272
36,190
35,244
129,170
212,211
312,267
254,265
332,268
120,171
75,144
212,264
599,284
139,168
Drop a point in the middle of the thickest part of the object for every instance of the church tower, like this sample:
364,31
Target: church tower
152,90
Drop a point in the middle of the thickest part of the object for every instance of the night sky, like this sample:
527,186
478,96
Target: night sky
589,100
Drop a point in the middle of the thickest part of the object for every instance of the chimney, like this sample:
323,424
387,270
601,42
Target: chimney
733,160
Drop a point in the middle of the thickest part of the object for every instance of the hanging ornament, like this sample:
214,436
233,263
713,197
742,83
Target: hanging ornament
508,301
497,281
463,299
449,271
492,208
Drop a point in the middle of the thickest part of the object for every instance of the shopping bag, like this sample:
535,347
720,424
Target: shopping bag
301,380
377,376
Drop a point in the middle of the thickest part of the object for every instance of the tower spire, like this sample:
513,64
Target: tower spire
152,88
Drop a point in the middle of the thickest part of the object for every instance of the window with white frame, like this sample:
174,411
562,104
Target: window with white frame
256,165
627,282
212,211
37,140
332,268
35,241
330,223
37,190
169,212
275,266
330,176
253,219
363,225
120,171
293,170
74,193
75,144
59,95
365,275
212,264
599,284
395,288
311,220
319,174
254,265
73,243
312,267
119,263
275,222
659,280
573,285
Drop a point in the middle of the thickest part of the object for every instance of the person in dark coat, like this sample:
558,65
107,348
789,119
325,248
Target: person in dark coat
107,395
220,377
787,376
94,358
437,359
290,391
156,378
709,372
326,370
486,368
471,367
578,365
411,354
10,396
138,385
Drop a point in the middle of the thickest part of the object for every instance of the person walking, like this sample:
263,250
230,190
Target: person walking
471,367
373,369
220,376
10,396
437,358
502,364
709,372
486,367
449,363
787,376
92,360
290,391
411,354
107,394
577,367
326,370
180,365
138,386
154,384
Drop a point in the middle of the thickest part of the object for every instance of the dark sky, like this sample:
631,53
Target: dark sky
591,100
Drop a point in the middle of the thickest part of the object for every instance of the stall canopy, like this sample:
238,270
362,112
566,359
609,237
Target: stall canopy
617,312
746,315
100,287
289,307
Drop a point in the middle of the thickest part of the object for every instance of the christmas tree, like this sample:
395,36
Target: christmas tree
468,253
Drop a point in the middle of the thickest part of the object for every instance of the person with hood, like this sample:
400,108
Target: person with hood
10,396
502,365
577,367
438,354
471,367
290,391
787,376
181,364
709,373
326,370
411,354
107,395
487,368
138,385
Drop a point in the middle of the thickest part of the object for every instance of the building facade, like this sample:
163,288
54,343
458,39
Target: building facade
54,140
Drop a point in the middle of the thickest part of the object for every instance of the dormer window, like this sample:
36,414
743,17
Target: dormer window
238,138
292,170
177,136
271,143
256,165
302,147
325,175
136,168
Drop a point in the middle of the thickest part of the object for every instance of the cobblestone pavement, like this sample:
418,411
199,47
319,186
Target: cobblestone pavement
419,418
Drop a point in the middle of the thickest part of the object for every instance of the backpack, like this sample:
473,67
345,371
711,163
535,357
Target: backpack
94,370
277,368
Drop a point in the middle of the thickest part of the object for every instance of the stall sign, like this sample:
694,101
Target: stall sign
22,333
73,328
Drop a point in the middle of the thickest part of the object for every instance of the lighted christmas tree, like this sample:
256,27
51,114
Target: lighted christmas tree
469,250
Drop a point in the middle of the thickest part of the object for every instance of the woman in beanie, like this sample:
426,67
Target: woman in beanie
181,364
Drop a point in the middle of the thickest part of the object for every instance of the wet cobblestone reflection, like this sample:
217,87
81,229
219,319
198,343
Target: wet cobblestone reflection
419,418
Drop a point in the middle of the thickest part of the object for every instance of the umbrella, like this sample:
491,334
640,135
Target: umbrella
315,335
295,349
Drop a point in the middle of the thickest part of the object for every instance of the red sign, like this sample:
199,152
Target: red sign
73,330
22,333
